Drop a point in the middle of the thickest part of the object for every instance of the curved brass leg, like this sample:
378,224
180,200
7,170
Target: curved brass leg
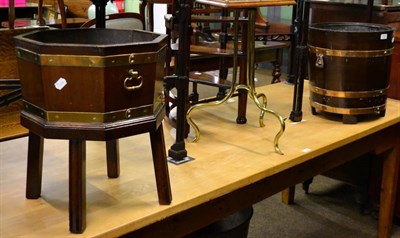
202,105
262,112
279,134
250,82
263,108
282,129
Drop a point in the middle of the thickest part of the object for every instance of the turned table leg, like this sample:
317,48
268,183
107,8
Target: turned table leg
77,185
160,166
35,165
276,72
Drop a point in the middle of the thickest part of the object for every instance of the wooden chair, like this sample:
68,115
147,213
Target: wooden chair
123,21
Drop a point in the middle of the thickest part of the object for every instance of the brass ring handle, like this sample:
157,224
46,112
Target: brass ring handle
133,75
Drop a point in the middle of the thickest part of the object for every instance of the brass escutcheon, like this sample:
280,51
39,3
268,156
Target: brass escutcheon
319,63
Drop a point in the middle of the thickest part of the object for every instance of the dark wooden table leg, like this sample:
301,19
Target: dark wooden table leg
160,166
35,166
242,97
112,148
77,185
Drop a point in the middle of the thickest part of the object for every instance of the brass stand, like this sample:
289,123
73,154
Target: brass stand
249,86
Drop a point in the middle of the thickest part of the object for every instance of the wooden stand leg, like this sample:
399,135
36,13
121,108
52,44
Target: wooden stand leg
77,186
160,166
288,195
112,148
276,72
242,97
35,165
194,96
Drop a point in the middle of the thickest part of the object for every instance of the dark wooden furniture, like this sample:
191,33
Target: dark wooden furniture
77,136
57,23
344,79
383,12
28,10
101,84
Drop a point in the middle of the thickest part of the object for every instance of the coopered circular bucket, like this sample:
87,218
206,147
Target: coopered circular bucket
349,68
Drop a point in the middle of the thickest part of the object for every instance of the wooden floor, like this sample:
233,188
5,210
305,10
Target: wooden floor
227,156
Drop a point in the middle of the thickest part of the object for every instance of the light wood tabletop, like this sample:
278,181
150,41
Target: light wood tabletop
228,157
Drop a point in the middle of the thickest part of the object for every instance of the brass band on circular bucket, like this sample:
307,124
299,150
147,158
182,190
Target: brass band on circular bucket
348,94
350,53
90,117
348,111
91,60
